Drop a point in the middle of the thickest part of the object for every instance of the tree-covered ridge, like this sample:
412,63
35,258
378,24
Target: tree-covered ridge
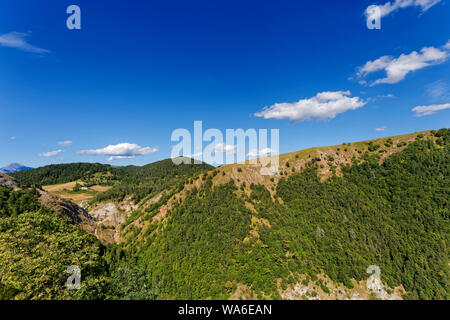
38,245
63,173
129,180
36,248
148,180
394,215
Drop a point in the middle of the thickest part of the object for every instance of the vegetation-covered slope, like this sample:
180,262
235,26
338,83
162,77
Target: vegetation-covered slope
393,214
63,173
200,234
36,248
129,180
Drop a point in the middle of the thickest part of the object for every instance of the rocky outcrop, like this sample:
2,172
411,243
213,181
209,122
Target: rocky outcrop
69,210
108,218
8,182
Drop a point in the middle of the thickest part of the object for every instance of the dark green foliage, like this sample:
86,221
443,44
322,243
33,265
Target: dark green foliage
394,215
151,179
200,248
129,282
388,142
397,212
63,173
36,248
373,146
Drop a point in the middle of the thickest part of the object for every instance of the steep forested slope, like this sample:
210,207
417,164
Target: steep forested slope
393,214
207,234
42,235
36,248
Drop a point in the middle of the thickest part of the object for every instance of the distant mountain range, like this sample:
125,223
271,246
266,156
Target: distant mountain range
14,167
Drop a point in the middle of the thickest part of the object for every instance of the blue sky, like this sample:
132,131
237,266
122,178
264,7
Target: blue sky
138,70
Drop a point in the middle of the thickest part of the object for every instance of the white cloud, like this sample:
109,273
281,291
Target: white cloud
261,153
381,128
120,151
429,110
50,153
390,7
65,143
18,40
227,148
325,105
112,158
447,45
397,68
197,155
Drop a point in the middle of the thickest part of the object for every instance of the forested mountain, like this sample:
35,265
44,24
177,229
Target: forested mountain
62,173
310,231
129,180
42,235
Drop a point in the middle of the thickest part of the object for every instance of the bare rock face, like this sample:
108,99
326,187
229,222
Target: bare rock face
67,209
8,182
108,214
108,218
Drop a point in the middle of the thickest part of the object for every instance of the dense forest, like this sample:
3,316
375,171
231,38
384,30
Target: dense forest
129,180
151,179
62,173
36,248
393,214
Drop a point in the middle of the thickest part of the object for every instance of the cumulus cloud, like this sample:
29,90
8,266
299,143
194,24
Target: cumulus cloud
429,110
390,7
120,151
396,69
65,143
18,40
325,105
381,128
50,153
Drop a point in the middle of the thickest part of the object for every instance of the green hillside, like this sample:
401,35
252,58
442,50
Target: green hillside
36,247
62,173
394,215
202,239
129,180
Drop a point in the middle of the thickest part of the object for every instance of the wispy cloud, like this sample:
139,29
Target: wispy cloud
50,153
260,153
396,69
390,7
438,90
429,110
447,45
120,151
18,40
65,143
381,128
325,105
